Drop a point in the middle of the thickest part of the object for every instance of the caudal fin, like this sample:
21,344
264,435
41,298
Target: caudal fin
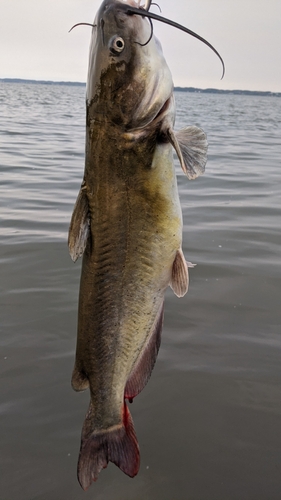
118,444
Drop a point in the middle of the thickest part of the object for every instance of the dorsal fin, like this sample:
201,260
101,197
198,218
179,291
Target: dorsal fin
191,147
144,365
180,279
79,226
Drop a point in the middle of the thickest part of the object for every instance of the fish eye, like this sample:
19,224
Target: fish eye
116,45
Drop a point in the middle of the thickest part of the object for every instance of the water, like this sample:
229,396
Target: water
209,421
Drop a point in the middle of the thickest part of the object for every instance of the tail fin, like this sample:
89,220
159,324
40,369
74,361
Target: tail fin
117,444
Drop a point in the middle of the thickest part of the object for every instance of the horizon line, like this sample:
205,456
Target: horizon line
176,87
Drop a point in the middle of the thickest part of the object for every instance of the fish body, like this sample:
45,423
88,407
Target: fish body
127,223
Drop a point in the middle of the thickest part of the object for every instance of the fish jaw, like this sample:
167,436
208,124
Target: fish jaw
127,88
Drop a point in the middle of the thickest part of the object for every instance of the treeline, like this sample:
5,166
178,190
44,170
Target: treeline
220,91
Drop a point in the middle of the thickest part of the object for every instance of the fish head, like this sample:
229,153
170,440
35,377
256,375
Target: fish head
129,83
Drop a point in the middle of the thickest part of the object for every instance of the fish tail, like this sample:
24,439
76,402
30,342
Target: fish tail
117,444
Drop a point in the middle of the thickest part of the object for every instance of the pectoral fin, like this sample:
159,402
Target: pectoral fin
191,147
180,279
79,226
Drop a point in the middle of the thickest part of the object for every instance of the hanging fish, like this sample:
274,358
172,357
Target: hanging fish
127,223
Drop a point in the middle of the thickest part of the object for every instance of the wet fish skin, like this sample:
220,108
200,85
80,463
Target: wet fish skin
135,233
127,222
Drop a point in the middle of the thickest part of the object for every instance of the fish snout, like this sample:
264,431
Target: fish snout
138,4
147,4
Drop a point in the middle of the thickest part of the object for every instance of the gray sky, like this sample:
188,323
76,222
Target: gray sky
35,43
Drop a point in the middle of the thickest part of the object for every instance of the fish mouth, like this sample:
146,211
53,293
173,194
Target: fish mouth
157,119
139,4
154,123
165,110
162,111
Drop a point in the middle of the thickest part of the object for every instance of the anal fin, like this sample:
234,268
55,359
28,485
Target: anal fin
79,226
180,279
144,365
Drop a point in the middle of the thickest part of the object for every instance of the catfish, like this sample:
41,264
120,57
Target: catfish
127,224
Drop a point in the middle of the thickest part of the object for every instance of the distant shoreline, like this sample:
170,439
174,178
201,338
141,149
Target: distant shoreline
221,91
178,89
42,82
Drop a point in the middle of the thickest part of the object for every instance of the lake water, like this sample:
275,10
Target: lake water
209,420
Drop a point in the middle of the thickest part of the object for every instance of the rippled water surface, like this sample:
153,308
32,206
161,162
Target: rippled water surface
209,421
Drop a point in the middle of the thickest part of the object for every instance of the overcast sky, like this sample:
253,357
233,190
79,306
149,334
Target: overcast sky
35,43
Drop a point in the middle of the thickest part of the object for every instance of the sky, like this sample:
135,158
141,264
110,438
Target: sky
35,43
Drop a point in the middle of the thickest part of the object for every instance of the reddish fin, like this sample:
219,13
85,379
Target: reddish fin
116,444
144,365
79,380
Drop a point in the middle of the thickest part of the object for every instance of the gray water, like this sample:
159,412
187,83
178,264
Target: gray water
209,420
